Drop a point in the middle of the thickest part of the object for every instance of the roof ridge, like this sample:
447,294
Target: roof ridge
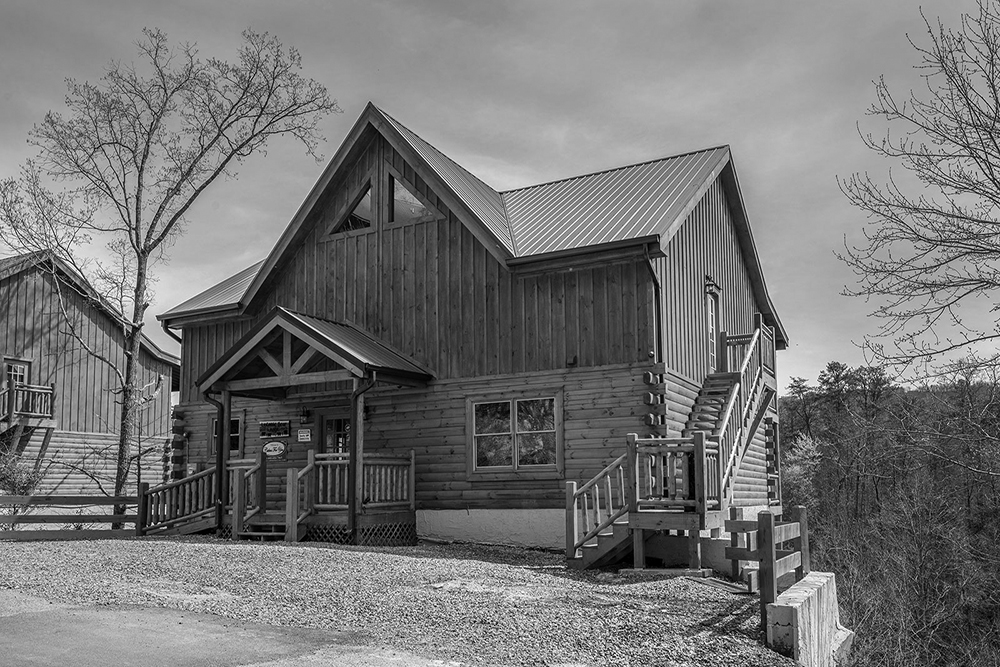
435,148
611,169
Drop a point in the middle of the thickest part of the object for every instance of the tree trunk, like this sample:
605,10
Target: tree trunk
129,398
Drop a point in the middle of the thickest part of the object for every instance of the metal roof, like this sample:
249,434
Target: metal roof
226,293
484,202
625,203
357,350
360,346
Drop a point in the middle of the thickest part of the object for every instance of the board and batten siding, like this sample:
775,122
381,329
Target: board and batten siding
705,246
432,291
34,328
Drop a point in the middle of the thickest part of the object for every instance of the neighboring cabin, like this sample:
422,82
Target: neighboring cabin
501,336
64,415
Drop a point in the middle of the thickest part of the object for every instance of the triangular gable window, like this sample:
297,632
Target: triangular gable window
406,207
360,216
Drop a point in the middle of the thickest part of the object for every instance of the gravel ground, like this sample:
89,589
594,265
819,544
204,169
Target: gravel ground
471,604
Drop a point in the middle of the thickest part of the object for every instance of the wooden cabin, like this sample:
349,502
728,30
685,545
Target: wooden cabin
58,407
421,354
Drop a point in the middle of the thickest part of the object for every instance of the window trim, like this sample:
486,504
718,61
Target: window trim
433,213
556,471
713,307
19,361
335,229
213,436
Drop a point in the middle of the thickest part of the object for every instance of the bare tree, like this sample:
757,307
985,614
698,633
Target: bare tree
933,233
133,153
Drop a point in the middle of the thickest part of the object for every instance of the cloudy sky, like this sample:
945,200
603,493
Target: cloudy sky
527,91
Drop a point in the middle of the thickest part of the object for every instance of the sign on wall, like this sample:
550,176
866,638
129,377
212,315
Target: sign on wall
304,435
276,450
275,429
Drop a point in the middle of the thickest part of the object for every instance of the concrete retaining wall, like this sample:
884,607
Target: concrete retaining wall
804,623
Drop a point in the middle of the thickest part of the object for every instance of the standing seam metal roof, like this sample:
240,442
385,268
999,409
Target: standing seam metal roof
360,346
628,202
484,202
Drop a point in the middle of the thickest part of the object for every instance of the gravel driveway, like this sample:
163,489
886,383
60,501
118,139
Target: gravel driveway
469,604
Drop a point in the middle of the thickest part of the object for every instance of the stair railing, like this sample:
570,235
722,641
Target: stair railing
755,369
184,500
597,504
300,497
249,493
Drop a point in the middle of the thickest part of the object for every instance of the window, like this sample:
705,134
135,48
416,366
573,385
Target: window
235,441
712,309
17,371
336,435
405,205
516,437
360,216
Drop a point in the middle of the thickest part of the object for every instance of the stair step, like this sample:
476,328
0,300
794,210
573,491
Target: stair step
262,534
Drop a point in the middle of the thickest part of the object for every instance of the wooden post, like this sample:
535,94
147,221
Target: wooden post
632,499
572,520
767,555
140,511
311,482
291,505
360,420
262,481
10,401
722,354
412,482
799,515
699,481
239,504
734,542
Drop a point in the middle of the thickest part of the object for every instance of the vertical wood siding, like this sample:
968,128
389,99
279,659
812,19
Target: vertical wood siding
705,245
434,293
34,328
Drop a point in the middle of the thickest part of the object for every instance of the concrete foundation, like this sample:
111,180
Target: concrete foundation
804,623
540,528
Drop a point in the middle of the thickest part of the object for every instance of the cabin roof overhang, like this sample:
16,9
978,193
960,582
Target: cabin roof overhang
285,349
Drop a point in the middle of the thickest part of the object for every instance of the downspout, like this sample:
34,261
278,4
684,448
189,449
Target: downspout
166,330
354,464
657,305
220,462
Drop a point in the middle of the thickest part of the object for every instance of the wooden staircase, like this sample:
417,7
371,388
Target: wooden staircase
684,484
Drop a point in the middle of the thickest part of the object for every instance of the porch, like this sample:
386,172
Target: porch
264,501
25,408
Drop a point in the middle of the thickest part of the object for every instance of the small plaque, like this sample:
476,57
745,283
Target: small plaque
304,435
276,450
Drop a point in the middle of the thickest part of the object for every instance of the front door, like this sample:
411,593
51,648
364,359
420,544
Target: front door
335,434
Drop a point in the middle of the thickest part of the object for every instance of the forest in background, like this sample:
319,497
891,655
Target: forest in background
901,483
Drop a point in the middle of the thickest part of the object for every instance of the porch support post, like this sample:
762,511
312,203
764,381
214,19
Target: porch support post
222,455
352,469
355,460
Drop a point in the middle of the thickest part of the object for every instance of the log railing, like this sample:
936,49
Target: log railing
177,502
675,473
387,481
300,497
597,504
249,493
26,400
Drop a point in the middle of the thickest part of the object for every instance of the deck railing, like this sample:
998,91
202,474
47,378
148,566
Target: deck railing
249,493
29,400
386,481
177,502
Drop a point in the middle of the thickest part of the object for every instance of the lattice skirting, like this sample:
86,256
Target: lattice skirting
226,533
379,535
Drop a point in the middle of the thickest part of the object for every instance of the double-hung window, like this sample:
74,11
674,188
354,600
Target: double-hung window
235,441
516,437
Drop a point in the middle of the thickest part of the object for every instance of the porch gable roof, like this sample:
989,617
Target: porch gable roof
358,353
